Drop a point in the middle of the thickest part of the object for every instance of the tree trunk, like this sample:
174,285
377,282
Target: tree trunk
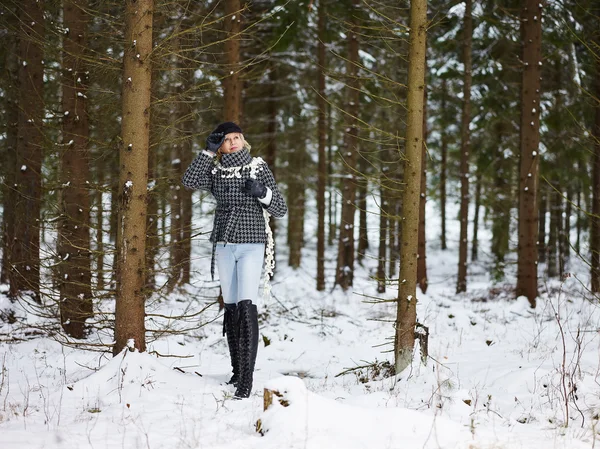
232,85
30,151
100,227
465,148
152,240
407,292
271,150
114,219
531,31
361,203
74,229
175,206
154,177
393,234
443,166
566,241
475,244
296,199
422,260
595,219
552,254
578,220
543,206
133,180
332,197
321,137
501,202
188,126
345,259
9,156
383,224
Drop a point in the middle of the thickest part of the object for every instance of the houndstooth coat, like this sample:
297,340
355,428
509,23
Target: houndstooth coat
238,217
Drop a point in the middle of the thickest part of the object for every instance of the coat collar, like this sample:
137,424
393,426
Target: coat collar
237,159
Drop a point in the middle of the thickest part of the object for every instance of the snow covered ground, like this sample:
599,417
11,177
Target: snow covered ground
497,376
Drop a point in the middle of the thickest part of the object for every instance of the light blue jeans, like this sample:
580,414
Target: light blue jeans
240,267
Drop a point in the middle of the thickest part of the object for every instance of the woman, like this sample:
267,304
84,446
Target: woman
246,195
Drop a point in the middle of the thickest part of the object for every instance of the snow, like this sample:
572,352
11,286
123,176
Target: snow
495,378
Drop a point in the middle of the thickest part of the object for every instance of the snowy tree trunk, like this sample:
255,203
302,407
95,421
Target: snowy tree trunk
30,151
407,292
188,125
461,285
595,225
552,253
443,167
361,203
133,179
9,154
543,206
383,226
232,85
349,152
477,206
321,137
74,230
531,31
422,261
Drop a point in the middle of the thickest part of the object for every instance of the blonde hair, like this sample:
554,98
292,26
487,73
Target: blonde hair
246,145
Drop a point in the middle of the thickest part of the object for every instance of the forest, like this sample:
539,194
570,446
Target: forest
371,114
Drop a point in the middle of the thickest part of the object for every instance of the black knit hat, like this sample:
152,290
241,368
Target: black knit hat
228,127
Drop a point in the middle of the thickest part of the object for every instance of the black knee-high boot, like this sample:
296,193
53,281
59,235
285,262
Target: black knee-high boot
247,317
230,329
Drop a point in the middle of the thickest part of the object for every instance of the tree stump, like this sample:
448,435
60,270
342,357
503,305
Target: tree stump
422,334
267,402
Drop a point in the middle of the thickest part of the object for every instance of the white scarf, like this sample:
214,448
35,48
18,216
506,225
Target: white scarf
236,172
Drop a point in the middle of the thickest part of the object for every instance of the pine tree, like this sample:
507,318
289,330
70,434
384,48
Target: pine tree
407,292
133,179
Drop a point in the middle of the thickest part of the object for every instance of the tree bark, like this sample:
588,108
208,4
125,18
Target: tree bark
296,199
346,248
394,228
595,219
443,166
152,240
531,31
186,159
383,228
501,203
175,212
321,137
271,150
566,240
9,157
232,85
465,148
543,206
100,227
133,179
74,228
407,292
30,151
361,203
332,197
552,253
422,261
477,205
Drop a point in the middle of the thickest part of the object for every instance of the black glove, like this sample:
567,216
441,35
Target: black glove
254,188
214,142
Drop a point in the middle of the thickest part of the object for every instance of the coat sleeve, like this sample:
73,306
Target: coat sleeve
198,175
276,207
